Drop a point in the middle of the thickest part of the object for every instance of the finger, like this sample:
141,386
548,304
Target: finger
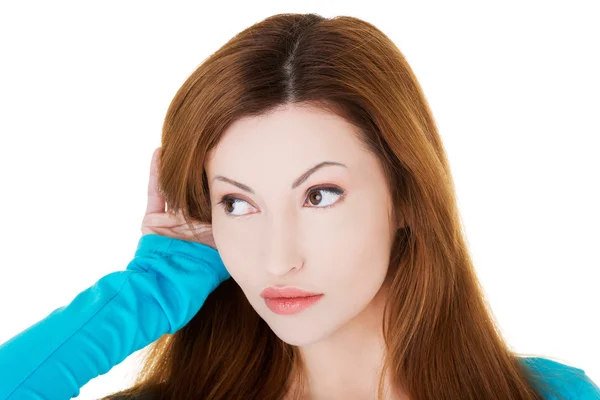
202,227
156,201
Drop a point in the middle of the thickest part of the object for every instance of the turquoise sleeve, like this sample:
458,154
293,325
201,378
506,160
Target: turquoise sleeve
588,390
569,381
161,289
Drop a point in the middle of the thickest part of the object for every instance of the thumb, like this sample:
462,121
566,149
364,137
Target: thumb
156,201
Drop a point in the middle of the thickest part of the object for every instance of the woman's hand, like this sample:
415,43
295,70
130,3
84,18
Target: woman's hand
166,223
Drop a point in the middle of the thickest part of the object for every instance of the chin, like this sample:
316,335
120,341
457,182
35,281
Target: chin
298,336
298,330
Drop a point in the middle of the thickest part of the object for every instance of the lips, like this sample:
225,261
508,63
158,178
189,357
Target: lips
273,292
285,301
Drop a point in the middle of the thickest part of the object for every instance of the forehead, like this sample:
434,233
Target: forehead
289,135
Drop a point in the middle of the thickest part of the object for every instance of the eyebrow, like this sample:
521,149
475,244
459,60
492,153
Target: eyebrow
296,183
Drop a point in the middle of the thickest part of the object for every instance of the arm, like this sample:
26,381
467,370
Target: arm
159,292
588,390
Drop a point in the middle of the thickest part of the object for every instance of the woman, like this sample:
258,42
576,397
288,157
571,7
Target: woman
308,149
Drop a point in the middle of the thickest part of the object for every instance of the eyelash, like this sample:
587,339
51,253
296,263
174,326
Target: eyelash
228,198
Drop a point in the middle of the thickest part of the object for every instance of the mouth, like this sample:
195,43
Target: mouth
291,305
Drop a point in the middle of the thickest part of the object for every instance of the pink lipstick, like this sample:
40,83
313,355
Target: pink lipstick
287,301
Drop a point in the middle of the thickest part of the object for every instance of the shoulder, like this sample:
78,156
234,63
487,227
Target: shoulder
569,381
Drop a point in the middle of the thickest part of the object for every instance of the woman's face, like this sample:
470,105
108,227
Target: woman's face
331,234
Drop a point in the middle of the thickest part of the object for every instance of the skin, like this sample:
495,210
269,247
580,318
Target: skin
335,244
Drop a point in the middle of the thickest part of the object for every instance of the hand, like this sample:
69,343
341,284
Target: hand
166,223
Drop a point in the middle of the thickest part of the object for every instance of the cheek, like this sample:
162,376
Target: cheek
354,258
231,249
359,273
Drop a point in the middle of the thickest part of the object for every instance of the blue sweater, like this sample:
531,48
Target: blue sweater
127,310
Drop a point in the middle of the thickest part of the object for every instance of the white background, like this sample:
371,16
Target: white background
514,87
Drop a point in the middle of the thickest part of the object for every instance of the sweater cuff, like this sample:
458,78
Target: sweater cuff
164,245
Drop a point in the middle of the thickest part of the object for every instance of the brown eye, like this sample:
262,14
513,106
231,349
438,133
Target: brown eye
228,205
316,196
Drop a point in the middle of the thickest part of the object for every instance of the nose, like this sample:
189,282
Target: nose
282,252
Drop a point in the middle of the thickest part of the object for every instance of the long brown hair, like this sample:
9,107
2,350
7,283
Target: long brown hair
442,339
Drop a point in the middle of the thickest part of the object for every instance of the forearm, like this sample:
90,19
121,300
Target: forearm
121,313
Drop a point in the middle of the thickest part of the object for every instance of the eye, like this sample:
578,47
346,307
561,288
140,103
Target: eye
320,196
228,204
330,193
